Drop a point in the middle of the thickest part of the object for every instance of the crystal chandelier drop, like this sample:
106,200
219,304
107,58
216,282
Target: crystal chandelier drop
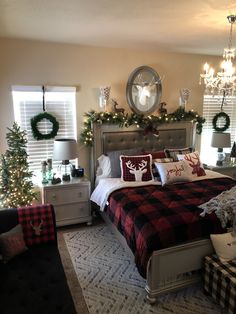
223,82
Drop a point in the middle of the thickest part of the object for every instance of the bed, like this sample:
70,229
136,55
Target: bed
176,263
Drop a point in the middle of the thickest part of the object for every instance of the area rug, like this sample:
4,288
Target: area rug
111,283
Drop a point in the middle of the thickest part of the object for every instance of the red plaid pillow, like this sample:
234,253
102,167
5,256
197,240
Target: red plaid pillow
136,168
156,154
37,224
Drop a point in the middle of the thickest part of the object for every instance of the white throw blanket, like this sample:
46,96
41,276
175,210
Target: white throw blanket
224,206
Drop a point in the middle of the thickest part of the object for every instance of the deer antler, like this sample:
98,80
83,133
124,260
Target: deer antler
130,165
142,165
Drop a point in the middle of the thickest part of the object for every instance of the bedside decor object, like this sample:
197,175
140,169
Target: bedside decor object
143,90
65,149
220,140
224,82
44,172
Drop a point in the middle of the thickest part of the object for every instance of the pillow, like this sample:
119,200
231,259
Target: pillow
224,245
173,172
12,243
194,162
156,154
104,166
172,152
115,160
136,168
154,169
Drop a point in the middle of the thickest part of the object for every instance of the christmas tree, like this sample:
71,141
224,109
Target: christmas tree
16,187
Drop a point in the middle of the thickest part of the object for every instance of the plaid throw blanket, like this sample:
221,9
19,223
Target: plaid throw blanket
154,217
37,224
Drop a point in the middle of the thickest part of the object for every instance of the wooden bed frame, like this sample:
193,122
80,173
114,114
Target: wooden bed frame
178,266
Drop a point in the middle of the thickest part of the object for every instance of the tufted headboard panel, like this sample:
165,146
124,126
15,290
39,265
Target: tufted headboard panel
111,137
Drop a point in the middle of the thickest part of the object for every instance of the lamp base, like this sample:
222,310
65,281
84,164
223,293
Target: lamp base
65,177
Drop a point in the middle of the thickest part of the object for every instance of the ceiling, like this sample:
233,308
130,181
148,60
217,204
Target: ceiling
191,26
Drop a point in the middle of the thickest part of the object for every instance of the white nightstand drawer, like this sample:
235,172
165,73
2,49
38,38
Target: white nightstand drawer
66,195
76,211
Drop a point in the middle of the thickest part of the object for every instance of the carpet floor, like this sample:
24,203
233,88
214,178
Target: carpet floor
104,279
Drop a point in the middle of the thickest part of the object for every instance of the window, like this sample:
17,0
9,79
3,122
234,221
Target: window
211,106
59,102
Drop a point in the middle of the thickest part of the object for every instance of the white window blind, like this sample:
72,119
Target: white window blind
59,102
211,106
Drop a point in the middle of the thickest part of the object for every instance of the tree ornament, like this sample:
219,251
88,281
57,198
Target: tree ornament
34,126
215,121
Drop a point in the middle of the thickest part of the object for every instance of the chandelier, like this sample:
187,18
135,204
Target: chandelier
223,82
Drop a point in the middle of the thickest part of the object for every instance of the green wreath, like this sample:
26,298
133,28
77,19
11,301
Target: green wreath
34,126
215,120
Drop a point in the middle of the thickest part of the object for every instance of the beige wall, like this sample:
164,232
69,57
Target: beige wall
37,63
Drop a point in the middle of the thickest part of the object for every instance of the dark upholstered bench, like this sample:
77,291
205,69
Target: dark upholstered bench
220,282
33,282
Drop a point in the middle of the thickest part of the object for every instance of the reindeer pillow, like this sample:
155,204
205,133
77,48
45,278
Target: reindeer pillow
136,168
194,162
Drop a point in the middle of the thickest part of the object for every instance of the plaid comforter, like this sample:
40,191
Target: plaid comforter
154,217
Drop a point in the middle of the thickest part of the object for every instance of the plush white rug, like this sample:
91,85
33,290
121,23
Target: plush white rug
111,283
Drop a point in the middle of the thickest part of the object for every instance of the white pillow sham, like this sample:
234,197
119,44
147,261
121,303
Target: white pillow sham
173,172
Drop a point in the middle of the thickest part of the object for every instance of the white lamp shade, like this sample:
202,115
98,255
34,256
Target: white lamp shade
64,149
220,140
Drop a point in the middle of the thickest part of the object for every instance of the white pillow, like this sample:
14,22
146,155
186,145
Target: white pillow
194,163
224,245
174,172
104,168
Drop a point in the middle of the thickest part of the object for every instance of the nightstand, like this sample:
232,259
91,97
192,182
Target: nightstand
71,200
228,170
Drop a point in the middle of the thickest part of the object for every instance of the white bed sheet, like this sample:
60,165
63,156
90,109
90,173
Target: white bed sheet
108,185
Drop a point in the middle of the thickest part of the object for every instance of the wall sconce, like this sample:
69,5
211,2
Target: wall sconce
64,150
220,140
104,96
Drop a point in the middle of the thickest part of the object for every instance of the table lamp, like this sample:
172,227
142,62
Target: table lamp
220,140
64,150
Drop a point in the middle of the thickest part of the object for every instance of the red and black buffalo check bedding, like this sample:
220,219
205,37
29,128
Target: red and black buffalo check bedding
38,224
156,217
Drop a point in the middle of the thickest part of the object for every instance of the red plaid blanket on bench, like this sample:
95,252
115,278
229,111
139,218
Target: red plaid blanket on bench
37,224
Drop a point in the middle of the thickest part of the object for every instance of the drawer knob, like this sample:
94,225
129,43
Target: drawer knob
54,197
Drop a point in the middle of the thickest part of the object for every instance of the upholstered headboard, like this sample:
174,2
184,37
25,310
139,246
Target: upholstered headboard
109,137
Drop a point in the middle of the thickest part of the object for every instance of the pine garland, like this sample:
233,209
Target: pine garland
140,121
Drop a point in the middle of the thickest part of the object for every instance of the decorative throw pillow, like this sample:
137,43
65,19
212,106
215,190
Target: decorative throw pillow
156,154
224,245
173,152
136,168
155,172
194,162
12,243
114,157
173,172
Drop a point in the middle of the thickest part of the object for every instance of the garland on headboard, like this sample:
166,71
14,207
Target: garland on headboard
140,121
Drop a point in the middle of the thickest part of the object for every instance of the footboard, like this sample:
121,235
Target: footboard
176,267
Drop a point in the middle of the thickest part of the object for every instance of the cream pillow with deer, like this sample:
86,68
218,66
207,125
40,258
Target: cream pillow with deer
194,162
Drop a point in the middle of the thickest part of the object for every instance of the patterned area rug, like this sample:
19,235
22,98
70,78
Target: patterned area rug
111,283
